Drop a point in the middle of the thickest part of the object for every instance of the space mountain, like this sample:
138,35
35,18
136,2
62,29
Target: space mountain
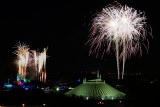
95,89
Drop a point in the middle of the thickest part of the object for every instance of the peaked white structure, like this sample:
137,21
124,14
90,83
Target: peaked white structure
95,89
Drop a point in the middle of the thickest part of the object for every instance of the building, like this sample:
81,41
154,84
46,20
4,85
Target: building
95,89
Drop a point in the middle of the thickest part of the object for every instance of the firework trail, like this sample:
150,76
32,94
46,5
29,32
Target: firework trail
35,61
44,64
30,58
41,62
22,52
119,28
44,58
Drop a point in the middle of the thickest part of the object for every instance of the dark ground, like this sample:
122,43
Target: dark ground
139,93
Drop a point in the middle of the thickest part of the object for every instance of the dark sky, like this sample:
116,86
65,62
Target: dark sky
63,27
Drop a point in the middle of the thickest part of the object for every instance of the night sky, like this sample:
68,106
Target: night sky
63,26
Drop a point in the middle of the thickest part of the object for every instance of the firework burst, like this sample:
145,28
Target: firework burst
31,59
118,28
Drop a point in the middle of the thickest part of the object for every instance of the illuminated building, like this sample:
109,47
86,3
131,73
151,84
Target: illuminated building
95,89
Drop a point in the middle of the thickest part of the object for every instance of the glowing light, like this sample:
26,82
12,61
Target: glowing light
23,105
118,28
22,54
57,89
112,98
30,58
100,102
87,98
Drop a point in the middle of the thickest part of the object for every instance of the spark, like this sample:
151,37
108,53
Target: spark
31,58
118,28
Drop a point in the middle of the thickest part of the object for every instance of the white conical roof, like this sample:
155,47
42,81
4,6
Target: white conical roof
95,89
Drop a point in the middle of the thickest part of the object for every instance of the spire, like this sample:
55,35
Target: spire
84,80
8,81
98,74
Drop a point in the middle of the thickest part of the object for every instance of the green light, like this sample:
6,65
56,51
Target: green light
8,85
96,90
25,80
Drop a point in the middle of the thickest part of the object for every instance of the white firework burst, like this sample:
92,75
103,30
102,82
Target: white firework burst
121,28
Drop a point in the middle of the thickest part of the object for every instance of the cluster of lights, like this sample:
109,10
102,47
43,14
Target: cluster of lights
23,105
100,102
